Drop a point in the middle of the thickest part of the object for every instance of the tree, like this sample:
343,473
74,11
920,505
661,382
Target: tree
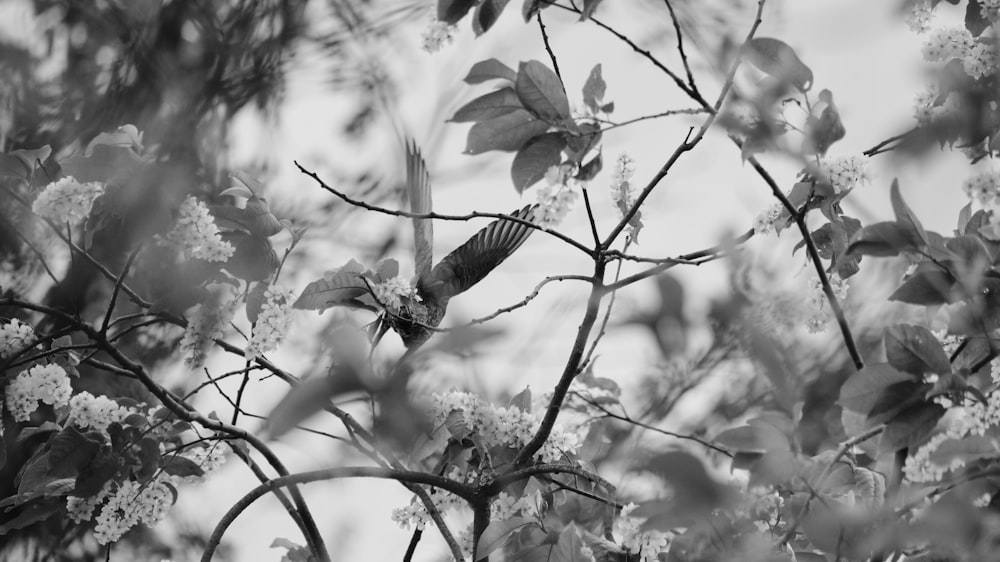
881,448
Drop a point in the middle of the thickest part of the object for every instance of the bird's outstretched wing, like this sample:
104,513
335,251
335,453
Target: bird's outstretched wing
418,183
482,253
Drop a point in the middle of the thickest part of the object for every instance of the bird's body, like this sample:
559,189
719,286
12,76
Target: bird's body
417,315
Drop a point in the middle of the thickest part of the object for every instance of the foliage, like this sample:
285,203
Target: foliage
886,451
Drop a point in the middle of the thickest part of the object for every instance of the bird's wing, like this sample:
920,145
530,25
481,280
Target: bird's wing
472,261
418,183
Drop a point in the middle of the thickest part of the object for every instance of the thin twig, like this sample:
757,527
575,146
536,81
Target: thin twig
669,113
680,47
548,47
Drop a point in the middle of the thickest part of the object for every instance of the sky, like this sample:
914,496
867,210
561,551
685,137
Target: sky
858,49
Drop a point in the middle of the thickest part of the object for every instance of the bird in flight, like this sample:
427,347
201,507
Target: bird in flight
415,310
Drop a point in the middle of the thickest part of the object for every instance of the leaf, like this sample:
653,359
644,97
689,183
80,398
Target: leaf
95,475
59,487
542,93
496,534
261,220
590,170
104,163
254,258
176,465
929,287
535,158
570,546
342,286
694,490
31,514
487,14
451,11
489,106
967,449
779,60
490,69
530,8
255,301
750,439
862,390
882,239
455,423
974,20
126,136
13,167
588,8
506,133
905,216
303,400
914,349
594,89
910,428
69,451
522,400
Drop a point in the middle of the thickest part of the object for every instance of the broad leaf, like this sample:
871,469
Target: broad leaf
883,239
928,287
490,69
776,58
103,164
176,465
911,427
488,106
496,534
535,158
570,546
255,300
594,89
914,349
905,216
542,92
341,286
588,8
506,133
487,14
974,20
69,451
863,390
451,11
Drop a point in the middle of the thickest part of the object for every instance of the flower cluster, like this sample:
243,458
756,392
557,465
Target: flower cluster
503,427
391,293
45,383
67,200
196,231
437,35
818,305
925,112
82,509
979,58
764,223
206,323
506,506
556,198
647,545
990,9
763,506
272,322
15,337
208,458
984,188
87,411
130,504
974,419
416,515
919,17
844,173
623,192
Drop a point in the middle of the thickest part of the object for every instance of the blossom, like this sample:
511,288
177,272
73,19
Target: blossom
82,509
947,43
623,193
844,173
15,337
647,545
764,223
556,199
208,458
990,9
818,303
133,503
983,188
391,292
67,200
205,324
919,17
981,59
197,233
923,104
509,427
272,322
506,506
45,383
95,412
437,35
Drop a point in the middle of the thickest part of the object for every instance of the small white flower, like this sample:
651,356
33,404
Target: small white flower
845,173
206,323
819,305
198,234
272,322
392,293
556,199
622,192
923,105
131,504
919,17
15,337
437,35
87,411
41,383
764,223
67,200
983,188
981,59
990,9
947,43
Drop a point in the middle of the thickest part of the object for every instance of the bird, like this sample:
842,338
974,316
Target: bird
416,318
